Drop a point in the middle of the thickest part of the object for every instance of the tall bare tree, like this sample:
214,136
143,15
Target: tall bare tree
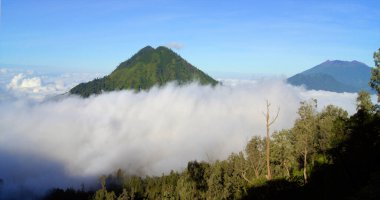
269,123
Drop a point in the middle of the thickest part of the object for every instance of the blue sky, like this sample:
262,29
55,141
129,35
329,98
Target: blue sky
220,37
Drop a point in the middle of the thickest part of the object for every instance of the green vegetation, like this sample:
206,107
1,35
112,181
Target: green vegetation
375,76
145,69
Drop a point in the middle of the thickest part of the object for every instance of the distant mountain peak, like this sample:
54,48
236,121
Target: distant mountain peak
335,75
146,68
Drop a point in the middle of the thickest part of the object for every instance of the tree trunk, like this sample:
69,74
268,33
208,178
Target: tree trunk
256,172
305,165
269,175
268,124
286,169
245,178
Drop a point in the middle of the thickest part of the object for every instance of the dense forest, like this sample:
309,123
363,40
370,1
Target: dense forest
325,155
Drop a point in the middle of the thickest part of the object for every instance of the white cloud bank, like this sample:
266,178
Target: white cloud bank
33,87
38,87
19,82
143,133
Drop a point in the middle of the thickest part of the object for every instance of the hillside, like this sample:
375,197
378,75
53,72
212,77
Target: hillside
336,76
146,68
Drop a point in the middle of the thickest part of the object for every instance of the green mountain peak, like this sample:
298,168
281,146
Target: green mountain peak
147,68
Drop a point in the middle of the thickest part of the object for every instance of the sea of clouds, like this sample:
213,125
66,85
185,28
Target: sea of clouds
50,142
21,84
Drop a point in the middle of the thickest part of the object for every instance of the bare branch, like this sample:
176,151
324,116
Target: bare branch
278,111
245,178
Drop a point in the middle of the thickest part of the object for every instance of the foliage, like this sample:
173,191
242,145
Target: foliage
363,101
103,194
255,151
375,76
331,128
304,131
283,153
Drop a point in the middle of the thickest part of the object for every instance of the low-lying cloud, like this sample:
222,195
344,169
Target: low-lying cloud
146,133
33,88
19,82
28,85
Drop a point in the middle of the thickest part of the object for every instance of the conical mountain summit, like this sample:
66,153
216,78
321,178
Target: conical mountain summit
148,67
